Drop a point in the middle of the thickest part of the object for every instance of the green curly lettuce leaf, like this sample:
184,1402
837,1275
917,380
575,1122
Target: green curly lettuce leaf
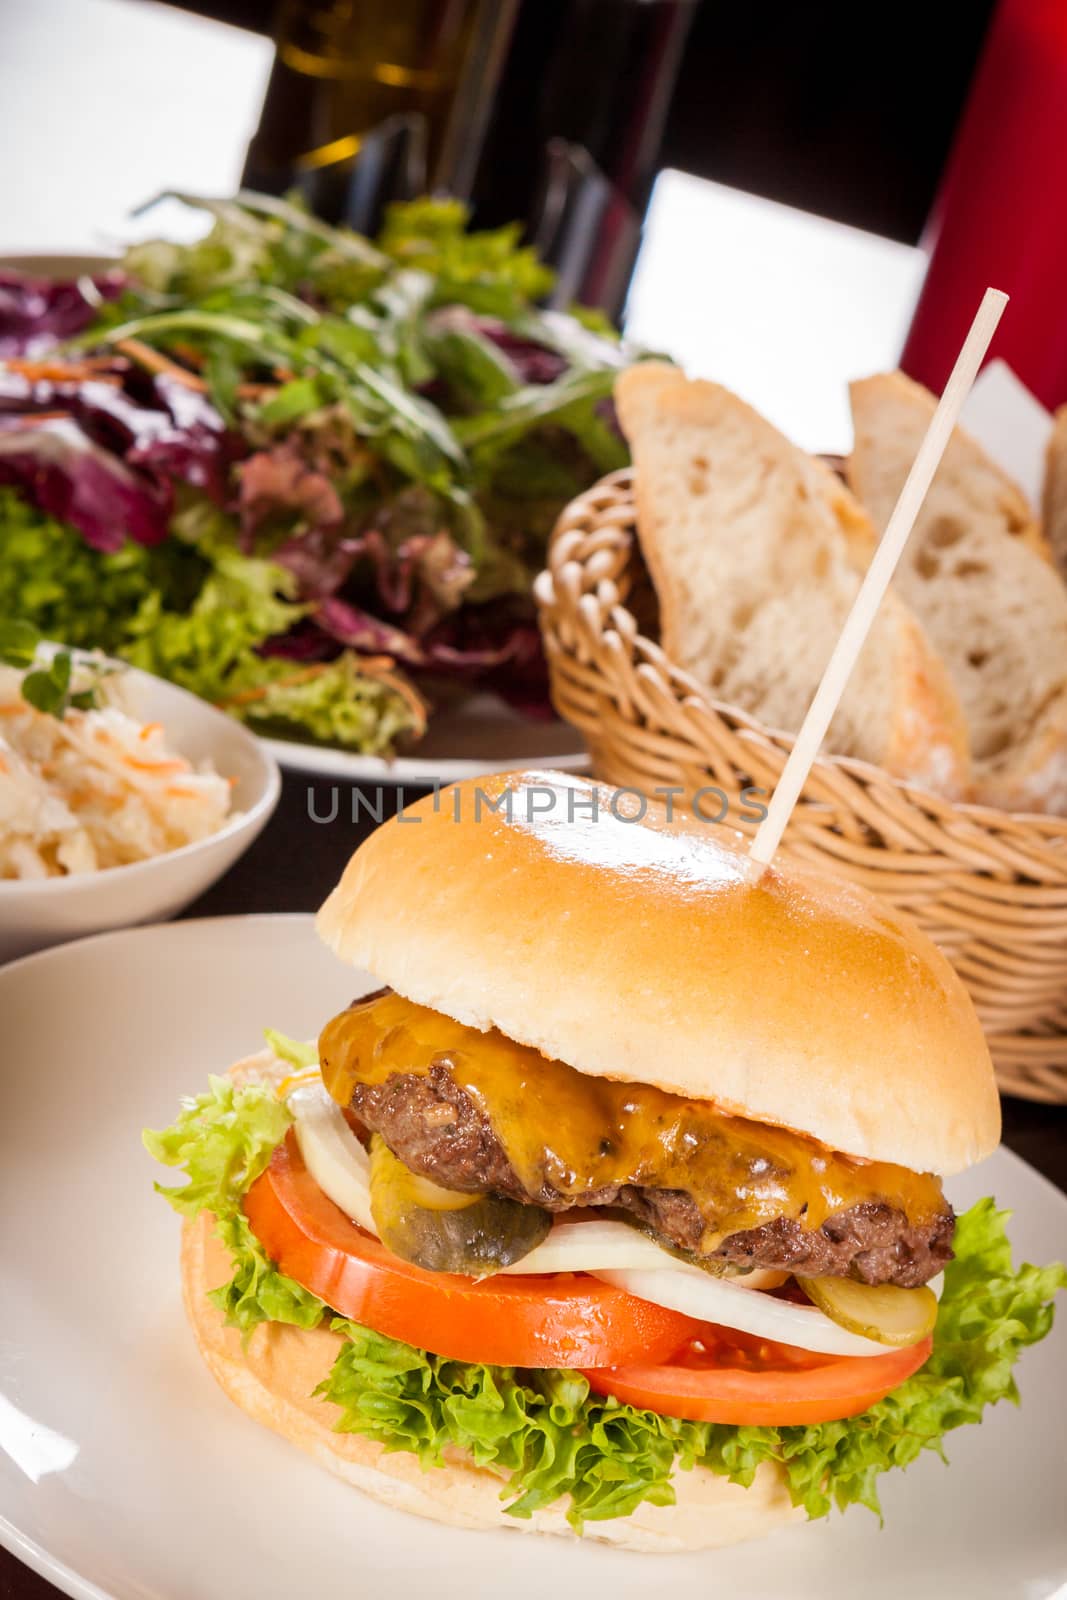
334,702
223,1139
212,650
243,601
549,1436
299,1053
545,1433
489,270
51,579
987,1315
194,610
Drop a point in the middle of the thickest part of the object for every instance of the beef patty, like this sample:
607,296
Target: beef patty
433,1126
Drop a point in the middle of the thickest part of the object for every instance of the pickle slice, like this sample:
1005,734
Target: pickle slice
876,1311
443,1230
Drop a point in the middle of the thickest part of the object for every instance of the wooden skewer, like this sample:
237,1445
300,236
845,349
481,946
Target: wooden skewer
876,582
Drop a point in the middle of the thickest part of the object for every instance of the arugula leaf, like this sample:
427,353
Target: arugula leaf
561,403
290,212
472,366
294,400
259,339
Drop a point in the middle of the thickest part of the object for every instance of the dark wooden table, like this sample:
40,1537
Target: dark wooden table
294,864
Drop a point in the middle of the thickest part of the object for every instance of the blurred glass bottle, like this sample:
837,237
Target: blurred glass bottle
374,99
546,112
575,134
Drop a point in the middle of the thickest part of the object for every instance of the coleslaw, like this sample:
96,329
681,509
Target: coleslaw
95,788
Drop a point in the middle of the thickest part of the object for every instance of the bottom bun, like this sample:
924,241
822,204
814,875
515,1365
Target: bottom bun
273,1379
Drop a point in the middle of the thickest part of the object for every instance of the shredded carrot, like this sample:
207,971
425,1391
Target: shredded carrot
287,1085
63,371
13,708
149,729
156,767
245,697
156,361
35,418
178,791
189,353
3,764
382,669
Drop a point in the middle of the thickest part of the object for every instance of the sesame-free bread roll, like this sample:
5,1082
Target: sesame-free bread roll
786,995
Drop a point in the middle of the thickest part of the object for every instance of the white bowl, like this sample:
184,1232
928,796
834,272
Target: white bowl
44,911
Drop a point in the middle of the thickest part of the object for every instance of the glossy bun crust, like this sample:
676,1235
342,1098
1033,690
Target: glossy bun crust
650,951
274,1377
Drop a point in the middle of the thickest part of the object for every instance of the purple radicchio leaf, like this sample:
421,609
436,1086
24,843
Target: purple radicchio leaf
153,423
37,313
279,489
320,560
352,626
70,477
533,363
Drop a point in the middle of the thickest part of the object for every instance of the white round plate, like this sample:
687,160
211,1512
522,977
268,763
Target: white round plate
479,736
125,1473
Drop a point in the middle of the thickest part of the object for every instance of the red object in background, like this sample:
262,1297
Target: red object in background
1001,214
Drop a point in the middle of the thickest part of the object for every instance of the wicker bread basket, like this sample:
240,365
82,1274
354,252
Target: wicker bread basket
990,887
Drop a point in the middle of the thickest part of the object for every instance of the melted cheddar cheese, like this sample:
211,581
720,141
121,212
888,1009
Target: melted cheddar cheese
579,1133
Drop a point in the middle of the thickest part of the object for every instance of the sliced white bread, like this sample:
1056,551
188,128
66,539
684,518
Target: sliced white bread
992,604
1054,498
755,551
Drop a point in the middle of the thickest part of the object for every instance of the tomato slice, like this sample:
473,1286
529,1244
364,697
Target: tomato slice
566,1320
725,1376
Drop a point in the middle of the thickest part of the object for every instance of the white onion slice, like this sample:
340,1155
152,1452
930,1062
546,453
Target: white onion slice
680,1287
332,1153
610,1250
586,1246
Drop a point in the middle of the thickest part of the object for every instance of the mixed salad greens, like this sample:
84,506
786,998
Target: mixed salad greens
545,1432
305,474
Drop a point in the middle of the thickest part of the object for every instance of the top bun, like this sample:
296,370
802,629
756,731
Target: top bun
634,947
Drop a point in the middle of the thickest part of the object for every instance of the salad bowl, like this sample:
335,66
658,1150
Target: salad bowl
36,912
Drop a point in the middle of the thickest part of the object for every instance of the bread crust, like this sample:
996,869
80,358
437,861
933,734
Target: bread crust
977,573
273,1379
1054,493
964,460
650,951
809,541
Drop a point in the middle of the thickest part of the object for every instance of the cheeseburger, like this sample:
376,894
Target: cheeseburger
614,1201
